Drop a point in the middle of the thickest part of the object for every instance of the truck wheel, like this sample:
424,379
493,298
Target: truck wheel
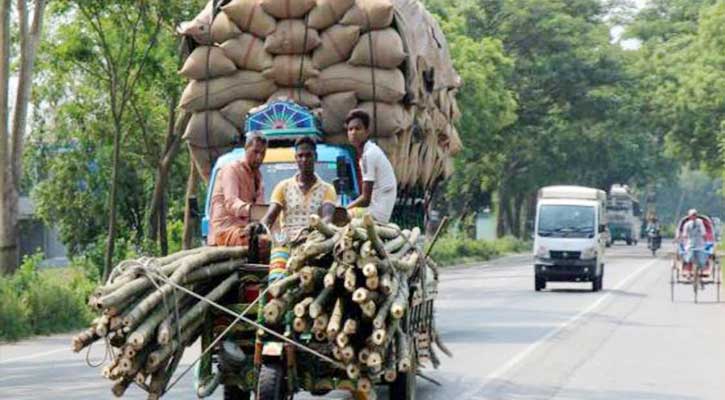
629,242
539,284
272,385
233,392
404,387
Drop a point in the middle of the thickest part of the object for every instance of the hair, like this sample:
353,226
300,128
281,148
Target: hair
254,136
360,114
306,140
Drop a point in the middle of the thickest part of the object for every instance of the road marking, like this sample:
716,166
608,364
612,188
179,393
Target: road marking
32,356
513,362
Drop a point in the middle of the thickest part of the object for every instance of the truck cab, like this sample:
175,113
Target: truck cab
569,238
623,215
282,122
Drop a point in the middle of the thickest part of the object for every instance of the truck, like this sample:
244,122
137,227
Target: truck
623,215
569,240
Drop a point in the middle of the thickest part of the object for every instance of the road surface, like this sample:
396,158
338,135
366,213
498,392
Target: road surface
628,342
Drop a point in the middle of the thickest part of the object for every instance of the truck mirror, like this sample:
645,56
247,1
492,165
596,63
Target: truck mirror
602,228
342,183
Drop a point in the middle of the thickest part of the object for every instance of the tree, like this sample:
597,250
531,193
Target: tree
12,137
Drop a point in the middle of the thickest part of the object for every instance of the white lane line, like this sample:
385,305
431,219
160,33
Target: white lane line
517,359
32,356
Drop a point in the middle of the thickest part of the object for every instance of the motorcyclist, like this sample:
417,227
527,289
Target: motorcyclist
654,238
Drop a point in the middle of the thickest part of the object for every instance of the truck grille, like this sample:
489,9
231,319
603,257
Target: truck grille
565,255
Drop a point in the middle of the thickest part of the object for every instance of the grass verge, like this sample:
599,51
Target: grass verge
455,250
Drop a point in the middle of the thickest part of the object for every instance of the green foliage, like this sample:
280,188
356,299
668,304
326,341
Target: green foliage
34,302
454,250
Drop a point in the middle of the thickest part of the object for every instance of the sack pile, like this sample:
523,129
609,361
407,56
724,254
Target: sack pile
388,57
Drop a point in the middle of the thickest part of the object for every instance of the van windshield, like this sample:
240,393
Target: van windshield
566,221
274,173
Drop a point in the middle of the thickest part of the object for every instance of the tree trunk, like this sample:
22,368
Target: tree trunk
518,211
8,221
176,127
189,220
163,235
111,243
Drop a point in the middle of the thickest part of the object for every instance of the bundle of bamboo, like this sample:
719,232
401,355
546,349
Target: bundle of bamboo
353,288
148,321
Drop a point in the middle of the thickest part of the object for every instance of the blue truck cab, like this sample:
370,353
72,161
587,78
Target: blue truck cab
282,122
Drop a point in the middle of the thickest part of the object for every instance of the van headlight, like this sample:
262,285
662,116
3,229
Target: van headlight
542,252
589,253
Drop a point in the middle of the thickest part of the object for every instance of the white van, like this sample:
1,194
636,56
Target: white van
569,238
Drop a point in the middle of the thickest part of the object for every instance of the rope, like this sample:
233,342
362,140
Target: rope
241,317
300,84
372,74
208,78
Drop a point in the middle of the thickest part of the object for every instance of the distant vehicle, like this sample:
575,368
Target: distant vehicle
623,215
570,236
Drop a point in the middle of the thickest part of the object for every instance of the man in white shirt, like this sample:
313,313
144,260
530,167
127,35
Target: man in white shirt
694,238
380,188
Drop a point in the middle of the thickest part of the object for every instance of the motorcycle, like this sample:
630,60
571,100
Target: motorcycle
654,240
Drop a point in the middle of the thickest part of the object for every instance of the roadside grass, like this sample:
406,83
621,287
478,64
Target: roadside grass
41,302
451,250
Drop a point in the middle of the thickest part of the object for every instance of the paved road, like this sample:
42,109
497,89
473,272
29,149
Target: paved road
628,342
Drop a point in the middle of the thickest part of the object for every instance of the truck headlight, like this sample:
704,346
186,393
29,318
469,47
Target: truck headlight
589,253
542,252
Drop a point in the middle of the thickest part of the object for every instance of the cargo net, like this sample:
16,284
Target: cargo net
388,57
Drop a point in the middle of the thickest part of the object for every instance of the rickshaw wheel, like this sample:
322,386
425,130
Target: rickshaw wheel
272,385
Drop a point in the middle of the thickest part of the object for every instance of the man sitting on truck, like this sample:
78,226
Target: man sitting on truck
380,188
302,195
238,187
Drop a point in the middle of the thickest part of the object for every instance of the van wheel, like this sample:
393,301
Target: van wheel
539,284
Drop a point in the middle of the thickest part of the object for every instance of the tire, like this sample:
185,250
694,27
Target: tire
629,242
598,281
272,385
539,284
233,392
404,386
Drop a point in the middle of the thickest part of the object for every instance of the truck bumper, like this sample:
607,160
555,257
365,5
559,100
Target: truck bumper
566,270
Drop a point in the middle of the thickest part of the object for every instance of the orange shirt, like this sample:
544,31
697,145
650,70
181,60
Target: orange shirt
236,188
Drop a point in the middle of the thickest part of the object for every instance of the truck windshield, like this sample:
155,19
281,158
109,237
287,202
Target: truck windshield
274,173
566,221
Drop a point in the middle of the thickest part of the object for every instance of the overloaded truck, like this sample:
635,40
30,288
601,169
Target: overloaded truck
623,215
357,309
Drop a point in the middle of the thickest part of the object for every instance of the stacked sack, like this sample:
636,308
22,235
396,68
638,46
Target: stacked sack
388,57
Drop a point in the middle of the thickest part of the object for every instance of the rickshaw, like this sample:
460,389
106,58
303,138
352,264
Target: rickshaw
685,273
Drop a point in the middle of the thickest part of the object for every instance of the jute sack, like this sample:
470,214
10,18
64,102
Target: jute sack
334,110
337,44
413,159
199,28
401,157
221,132
288,70
223,29
195,66
338,139
289,38
389,84
250,17
247,52
389,145
284,9
388,120
236,112
370,14
247,85
327,12
388,51
204,158
298,95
